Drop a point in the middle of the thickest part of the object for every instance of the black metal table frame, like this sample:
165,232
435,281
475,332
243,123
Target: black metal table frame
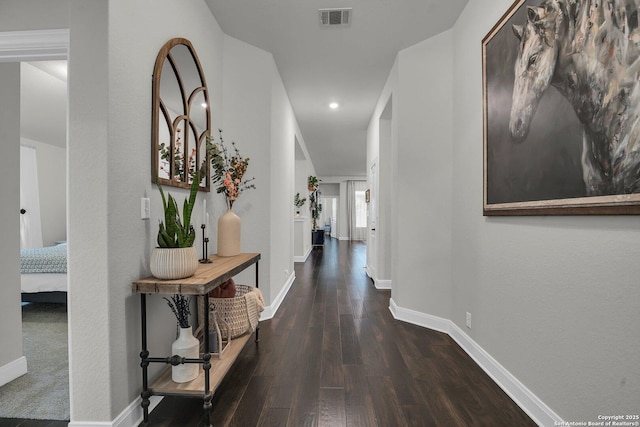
176,360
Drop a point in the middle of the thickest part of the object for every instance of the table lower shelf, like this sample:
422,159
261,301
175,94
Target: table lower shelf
219,368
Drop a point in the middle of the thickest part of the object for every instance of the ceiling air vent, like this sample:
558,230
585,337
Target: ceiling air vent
335,16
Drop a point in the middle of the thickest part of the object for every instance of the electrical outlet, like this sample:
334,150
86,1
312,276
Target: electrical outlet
286,273
468,320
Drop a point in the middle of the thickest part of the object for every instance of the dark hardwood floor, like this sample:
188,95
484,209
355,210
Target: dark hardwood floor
334,356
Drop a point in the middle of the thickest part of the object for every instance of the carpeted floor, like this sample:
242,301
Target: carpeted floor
42,393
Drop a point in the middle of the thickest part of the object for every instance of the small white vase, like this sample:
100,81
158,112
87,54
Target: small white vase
174,263
185,346
229,234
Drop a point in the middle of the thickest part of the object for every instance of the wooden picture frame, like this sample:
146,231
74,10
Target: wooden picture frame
561,139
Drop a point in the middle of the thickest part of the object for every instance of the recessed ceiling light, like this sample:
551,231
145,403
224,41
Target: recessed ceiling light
334,105
203,105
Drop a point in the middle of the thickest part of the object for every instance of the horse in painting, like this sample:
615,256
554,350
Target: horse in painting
589,51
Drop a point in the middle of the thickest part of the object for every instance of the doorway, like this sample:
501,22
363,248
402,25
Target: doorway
50,153
328,215
379,252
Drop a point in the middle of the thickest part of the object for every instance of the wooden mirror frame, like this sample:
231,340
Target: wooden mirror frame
173,122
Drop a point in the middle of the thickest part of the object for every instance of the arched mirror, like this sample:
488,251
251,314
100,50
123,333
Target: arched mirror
181,117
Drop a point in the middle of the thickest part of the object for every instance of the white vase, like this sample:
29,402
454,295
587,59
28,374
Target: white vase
185,346
229,233
174,263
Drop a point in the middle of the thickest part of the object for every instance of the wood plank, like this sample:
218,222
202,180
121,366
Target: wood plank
385,402
419,416
332,407
250,407
358,406
331,372
345,305
441,407
351,354
274,417
284,386
206,278
219,368
233,387
304,408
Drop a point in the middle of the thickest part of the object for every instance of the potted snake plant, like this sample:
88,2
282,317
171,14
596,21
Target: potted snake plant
176,257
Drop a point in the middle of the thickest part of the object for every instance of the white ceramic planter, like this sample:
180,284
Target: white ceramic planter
174,263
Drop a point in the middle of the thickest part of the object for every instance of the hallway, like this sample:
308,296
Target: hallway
334,356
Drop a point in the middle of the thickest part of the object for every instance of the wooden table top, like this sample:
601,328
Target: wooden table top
206,278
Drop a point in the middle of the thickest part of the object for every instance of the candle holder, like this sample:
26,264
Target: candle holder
205,247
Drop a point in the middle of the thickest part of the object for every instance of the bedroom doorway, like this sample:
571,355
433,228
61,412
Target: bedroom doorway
43,172
45,321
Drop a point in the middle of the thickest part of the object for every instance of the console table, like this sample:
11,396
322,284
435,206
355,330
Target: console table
212,371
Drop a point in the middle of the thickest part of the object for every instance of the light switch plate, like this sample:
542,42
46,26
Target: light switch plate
145,208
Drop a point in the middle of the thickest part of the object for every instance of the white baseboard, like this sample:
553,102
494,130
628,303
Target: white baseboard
304,257
13,370
382,284
539,412
378,283
270,311
130,417
371,272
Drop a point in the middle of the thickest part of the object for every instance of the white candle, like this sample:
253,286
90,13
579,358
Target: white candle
206,230
204,210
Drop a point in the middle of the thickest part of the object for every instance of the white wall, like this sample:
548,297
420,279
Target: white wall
110,68
327,189
337,186
52,177
300,185
302,228
421,274
247,121
330,196
131,57
12,362
554,299
258,116
90,340
384,185
284,132
382,147
21,15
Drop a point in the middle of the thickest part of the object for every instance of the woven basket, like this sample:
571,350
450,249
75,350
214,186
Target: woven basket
240,313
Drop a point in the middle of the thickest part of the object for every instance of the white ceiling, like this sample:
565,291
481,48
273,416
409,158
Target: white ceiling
348,65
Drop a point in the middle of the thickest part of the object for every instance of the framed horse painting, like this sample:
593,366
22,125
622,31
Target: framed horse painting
561,89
